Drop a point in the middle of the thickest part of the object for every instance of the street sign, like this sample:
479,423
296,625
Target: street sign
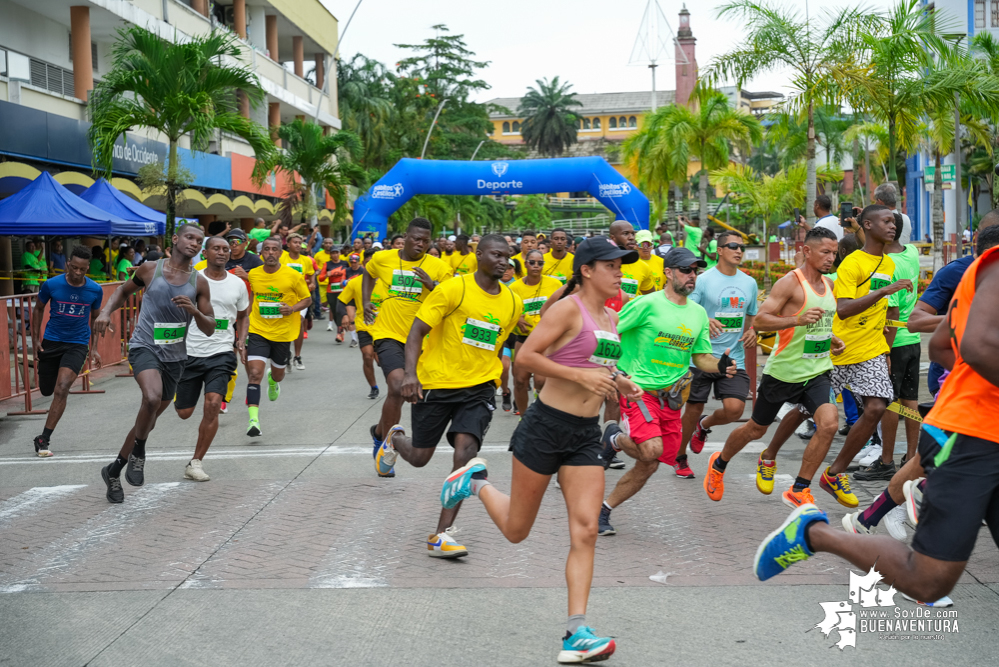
947,175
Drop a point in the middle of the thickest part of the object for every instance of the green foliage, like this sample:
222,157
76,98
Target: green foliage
532,212
549,125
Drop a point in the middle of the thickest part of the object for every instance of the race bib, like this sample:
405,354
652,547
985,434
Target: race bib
608,350
817,346
879,280
405,283
482,335
169,333
533,305
221,325
297,267
731,321
269,310
630,286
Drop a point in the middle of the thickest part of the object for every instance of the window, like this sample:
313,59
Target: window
612,123
516,126
979,13
995,14
596,121
632,121
622,122
586,123
506,126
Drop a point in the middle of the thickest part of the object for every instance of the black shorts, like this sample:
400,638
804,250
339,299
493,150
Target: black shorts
547,439
144,359
467,410
725,387
213,373
337,307
263,349
391,355
512,340
773,394
56,355
905,371
364,339
957,496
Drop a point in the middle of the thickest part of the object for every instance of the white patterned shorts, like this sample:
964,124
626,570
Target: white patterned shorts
867,378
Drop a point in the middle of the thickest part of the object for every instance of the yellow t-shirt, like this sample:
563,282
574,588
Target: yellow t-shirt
468,327
269,289
303,264
533,296
560,269
403,292
637,279
862,334
321,258
656,263
352,292
462,265
201,266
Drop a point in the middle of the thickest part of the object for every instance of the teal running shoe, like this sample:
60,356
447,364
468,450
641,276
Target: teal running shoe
584,646
787,544
458,484
273,388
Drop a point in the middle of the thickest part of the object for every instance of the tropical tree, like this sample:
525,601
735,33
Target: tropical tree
780,38
532,212
659,163
366,109
183,89
323,163
549,124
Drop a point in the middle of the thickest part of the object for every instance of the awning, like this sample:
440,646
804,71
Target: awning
140,219
45,208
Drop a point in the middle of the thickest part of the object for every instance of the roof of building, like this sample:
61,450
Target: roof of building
596,103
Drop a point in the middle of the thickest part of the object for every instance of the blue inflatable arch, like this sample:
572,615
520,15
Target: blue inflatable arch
411,177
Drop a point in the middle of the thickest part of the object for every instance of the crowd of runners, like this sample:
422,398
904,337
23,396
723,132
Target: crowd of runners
614,344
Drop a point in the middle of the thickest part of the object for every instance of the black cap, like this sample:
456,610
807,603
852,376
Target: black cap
236,234
601,247
683,258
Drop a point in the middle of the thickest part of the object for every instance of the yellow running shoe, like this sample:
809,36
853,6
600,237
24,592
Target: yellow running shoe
839,487
443,545
765,471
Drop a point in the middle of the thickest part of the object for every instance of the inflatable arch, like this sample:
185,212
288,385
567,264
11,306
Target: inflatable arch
411,177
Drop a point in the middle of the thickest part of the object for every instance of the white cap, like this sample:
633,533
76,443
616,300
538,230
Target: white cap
452,238
378,245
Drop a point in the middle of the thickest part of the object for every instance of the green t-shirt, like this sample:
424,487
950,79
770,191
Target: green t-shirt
693,238
906,267
712,247
658,338
31,261
773,238
96,269
260,234
123,266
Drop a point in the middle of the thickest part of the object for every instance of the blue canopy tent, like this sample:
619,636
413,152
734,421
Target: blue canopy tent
45,208
140,219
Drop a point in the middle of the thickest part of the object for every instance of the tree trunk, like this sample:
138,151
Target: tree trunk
702,197
856,181
171,194
810,182
892,176
936,207
868,191
670,204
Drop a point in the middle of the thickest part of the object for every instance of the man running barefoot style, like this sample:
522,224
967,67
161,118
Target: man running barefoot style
961,490
157,350
576,347
452,385
800,309
211,360
279,295
350,297
662,334
406,277
74,302
729,297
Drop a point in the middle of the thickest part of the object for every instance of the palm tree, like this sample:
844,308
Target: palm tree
366,108
660,164
706,134
549,125
779,38
176,89
322,163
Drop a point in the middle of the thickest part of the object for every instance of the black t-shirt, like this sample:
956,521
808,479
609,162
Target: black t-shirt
247,261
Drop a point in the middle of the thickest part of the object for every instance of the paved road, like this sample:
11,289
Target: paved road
295,553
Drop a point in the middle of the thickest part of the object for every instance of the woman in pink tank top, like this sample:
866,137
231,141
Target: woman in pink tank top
576,347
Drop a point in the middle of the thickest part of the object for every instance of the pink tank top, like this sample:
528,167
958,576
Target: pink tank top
592,347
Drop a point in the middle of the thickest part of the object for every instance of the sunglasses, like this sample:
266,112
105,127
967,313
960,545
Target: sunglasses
536,262
686,270
235,241
735,246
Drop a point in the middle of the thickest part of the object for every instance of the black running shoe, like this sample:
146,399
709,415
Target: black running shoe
845,430
42,446
604,527
507,402
607,455
133,471
115,493
616,463
373,394
879,470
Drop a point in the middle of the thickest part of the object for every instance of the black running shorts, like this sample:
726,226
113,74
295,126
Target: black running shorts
391,355
773,394
736,387
278,352
547,439
56,355
364,339
905,371
213,373
467,410
143,359
957,496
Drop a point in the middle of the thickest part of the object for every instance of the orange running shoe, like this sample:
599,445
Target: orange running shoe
795,500
714,480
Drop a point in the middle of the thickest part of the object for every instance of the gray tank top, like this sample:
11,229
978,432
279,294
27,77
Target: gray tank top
162,325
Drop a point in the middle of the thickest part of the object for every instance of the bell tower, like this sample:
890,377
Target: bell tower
686,60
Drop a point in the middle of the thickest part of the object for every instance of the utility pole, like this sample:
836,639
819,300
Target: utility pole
958,191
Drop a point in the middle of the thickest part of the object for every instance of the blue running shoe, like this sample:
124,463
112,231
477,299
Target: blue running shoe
584,646
458,485
787,544
385,454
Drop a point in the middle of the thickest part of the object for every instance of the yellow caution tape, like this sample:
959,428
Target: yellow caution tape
908,413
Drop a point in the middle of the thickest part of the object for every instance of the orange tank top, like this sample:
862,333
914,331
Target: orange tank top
967,401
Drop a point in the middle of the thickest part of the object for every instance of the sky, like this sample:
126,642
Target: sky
586,42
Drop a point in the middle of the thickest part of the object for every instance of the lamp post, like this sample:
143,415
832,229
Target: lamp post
432,124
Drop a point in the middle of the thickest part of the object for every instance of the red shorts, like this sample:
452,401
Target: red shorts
666,424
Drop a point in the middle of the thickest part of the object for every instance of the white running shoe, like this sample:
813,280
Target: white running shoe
851,524
913,499
945,601
195,471
894,522
329,326
443,545
299,366
873,455
864,451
